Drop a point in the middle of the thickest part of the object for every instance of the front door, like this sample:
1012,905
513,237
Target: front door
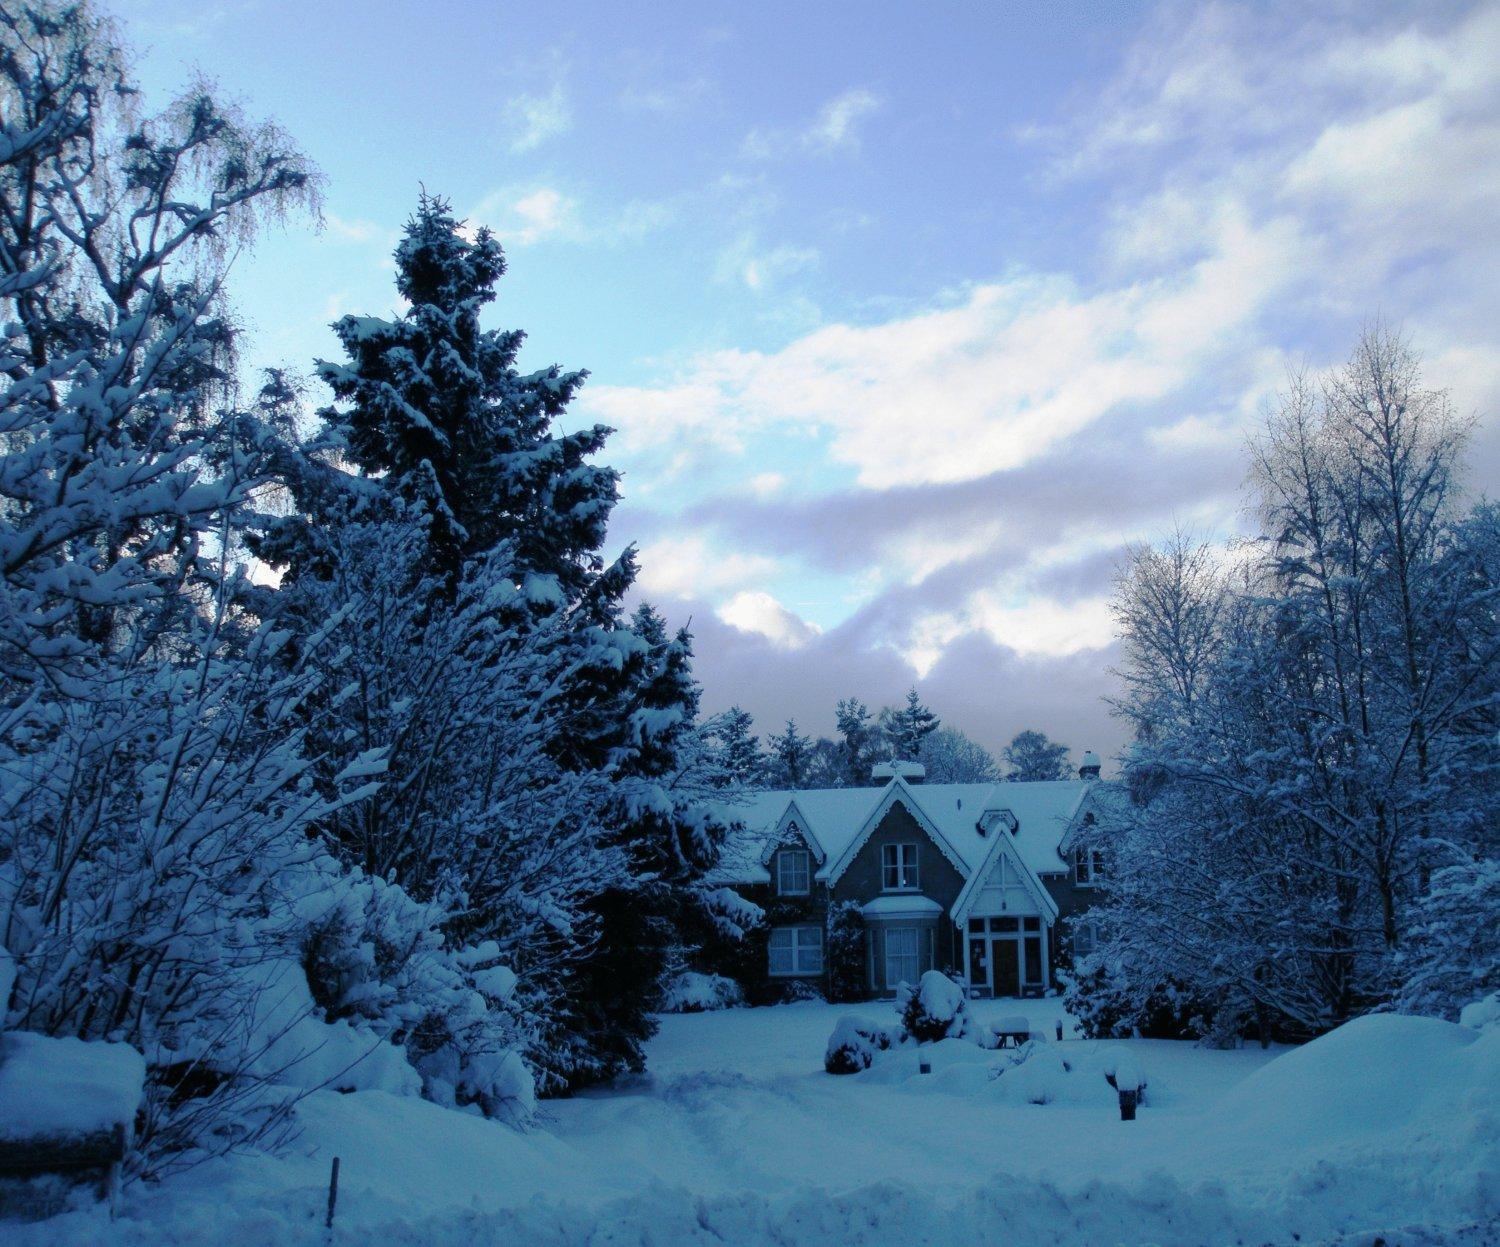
1007,967
979,966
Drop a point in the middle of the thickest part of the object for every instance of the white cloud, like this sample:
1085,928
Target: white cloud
688,567
761,268
523,218
533,119
758,612
836,124
992,382
835,128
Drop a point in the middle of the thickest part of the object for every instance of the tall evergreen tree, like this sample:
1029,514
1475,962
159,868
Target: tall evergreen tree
740,754
791,754
436,404
859,740
907,727
448,440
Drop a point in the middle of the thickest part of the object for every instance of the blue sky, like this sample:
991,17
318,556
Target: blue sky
909,316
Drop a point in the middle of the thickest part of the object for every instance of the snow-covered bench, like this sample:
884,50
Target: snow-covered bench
1013,1030
67,1106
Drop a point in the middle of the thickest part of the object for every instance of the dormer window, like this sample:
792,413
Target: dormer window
793,872
1088,867
898,868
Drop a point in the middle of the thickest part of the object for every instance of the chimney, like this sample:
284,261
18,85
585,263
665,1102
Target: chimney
911,772
1089,767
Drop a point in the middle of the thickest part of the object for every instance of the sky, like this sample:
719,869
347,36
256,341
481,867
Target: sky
909,317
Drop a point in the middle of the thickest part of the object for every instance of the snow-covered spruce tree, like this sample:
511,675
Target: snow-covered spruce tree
740,755
1315,722
534,737
154,794
790,758
861,742
665,776
906,727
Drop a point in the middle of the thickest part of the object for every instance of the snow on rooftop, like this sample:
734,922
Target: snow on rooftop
834,817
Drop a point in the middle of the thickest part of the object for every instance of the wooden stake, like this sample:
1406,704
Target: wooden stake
333,1193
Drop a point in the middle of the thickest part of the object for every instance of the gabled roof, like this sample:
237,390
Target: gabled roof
1003,845
897,791
792,820
836,817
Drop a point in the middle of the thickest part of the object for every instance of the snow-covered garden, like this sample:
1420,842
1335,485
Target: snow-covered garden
1389,1127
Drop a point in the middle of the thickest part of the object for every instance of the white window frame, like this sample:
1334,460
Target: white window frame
903,866
1091,928
915,956
1088,866
803,947
784,858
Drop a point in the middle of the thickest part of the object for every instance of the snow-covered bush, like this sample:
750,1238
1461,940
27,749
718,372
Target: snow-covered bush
934,1009
1452,950
1109,1000
854,1043
692,992
794,991
844,952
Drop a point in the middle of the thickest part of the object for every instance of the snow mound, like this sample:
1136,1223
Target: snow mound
1375,1075
1482,1014
67,1086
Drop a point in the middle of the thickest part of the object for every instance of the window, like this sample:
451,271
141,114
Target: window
898,868
792,870
796,950
1085,938
901,959
1088,867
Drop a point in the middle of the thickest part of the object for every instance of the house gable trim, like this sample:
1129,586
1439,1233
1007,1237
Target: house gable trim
896,791
1002,846
792,828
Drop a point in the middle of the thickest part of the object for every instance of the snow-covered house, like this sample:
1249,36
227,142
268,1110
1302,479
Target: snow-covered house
967,878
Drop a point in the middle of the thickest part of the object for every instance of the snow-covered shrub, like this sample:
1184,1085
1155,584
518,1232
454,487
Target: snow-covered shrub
691,992
935,1009
1108,1002
1451,954
794,991
854,1043
844,952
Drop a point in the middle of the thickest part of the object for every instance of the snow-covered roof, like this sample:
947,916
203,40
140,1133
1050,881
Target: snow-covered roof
1043,811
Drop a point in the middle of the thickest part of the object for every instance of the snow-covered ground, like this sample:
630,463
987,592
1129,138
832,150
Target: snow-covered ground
1389,1126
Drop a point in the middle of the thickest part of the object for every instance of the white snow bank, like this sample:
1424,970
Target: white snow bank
1482,1014
66,1086
1377,1075
291,1044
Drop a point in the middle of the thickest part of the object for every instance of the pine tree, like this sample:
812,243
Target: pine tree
909,726
859,740
436,404
790,757
739,750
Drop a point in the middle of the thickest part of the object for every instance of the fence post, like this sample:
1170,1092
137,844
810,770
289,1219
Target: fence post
1127,1103
333,1193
